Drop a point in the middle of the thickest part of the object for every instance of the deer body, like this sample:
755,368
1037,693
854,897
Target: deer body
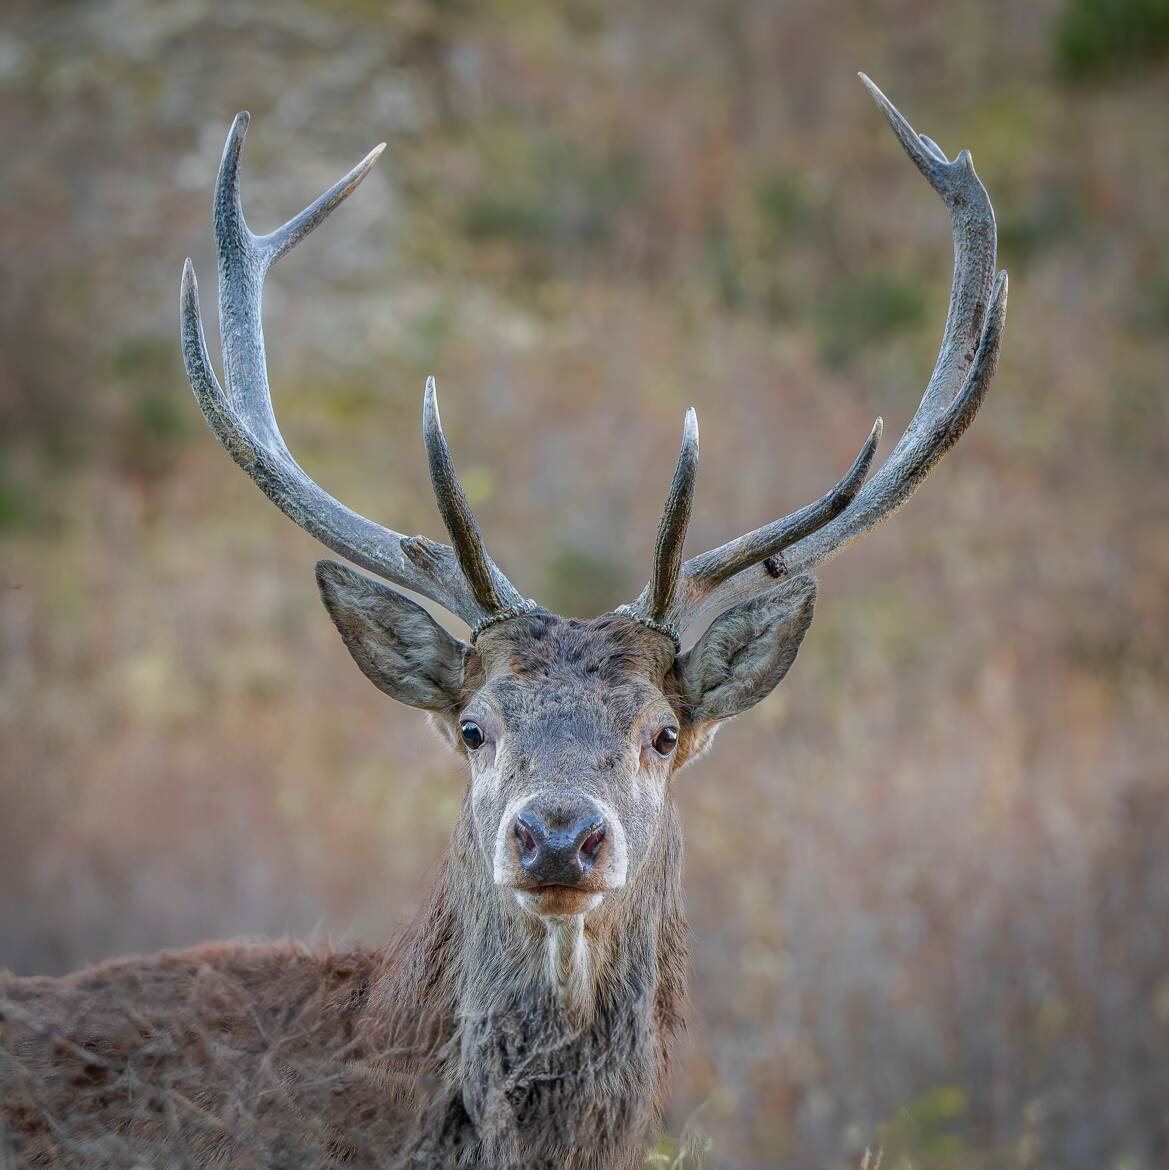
180,1053
482,1037
526,1018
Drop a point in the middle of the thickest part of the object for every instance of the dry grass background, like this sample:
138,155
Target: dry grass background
928,879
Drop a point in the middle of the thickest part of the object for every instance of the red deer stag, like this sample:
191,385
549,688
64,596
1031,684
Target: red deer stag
526,1018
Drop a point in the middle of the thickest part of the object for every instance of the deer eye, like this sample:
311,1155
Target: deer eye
471,734
665,741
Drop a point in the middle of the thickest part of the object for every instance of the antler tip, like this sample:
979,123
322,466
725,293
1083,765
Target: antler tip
190,286
936,150
872,87
363,168
689,450
997,312
854,478
229,217
431,422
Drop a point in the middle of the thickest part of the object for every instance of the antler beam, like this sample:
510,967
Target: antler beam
463,580
966,363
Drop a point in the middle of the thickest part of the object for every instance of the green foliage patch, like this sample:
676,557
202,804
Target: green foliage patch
1102,36
858,311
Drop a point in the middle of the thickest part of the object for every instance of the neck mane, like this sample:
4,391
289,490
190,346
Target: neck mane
536,1041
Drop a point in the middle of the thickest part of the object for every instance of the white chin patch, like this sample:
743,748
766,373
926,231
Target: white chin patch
566,957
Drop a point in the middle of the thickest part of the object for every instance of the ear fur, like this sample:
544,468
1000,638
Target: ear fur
400,648
745,652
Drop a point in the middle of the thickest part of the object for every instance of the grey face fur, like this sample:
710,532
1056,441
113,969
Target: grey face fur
578,726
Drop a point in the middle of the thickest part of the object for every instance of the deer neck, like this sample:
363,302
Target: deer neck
526,1009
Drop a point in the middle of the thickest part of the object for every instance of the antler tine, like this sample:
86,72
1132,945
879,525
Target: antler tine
956,388
460,522
243,418
244,260
926,440
675,520
714,567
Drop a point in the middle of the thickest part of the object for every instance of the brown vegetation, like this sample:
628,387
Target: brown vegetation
947,937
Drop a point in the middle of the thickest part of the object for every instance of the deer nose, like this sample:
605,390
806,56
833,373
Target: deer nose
559,846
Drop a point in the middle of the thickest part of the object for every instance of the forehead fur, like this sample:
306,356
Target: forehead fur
610,648
529,663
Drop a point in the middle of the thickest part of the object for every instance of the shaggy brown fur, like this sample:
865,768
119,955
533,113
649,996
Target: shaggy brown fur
430,1054
452,1047
489,1035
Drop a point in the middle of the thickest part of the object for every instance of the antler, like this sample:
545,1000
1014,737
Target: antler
464,580
750,564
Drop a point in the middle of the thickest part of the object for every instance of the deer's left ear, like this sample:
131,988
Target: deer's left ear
746,652
400,648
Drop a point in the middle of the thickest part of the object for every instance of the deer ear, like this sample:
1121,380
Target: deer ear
746,652
400,648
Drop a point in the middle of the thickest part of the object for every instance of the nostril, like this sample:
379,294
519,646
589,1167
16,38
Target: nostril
524,836
591,845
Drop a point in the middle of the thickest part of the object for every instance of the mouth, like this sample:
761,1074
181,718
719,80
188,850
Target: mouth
558,901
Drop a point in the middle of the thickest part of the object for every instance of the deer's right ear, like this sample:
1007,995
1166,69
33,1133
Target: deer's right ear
400,648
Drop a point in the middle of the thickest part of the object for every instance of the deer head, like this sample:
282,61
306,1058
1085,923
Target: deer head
572,729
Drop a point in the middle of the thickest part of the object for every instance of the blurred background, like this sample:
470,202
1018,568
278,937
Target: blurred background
946,933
